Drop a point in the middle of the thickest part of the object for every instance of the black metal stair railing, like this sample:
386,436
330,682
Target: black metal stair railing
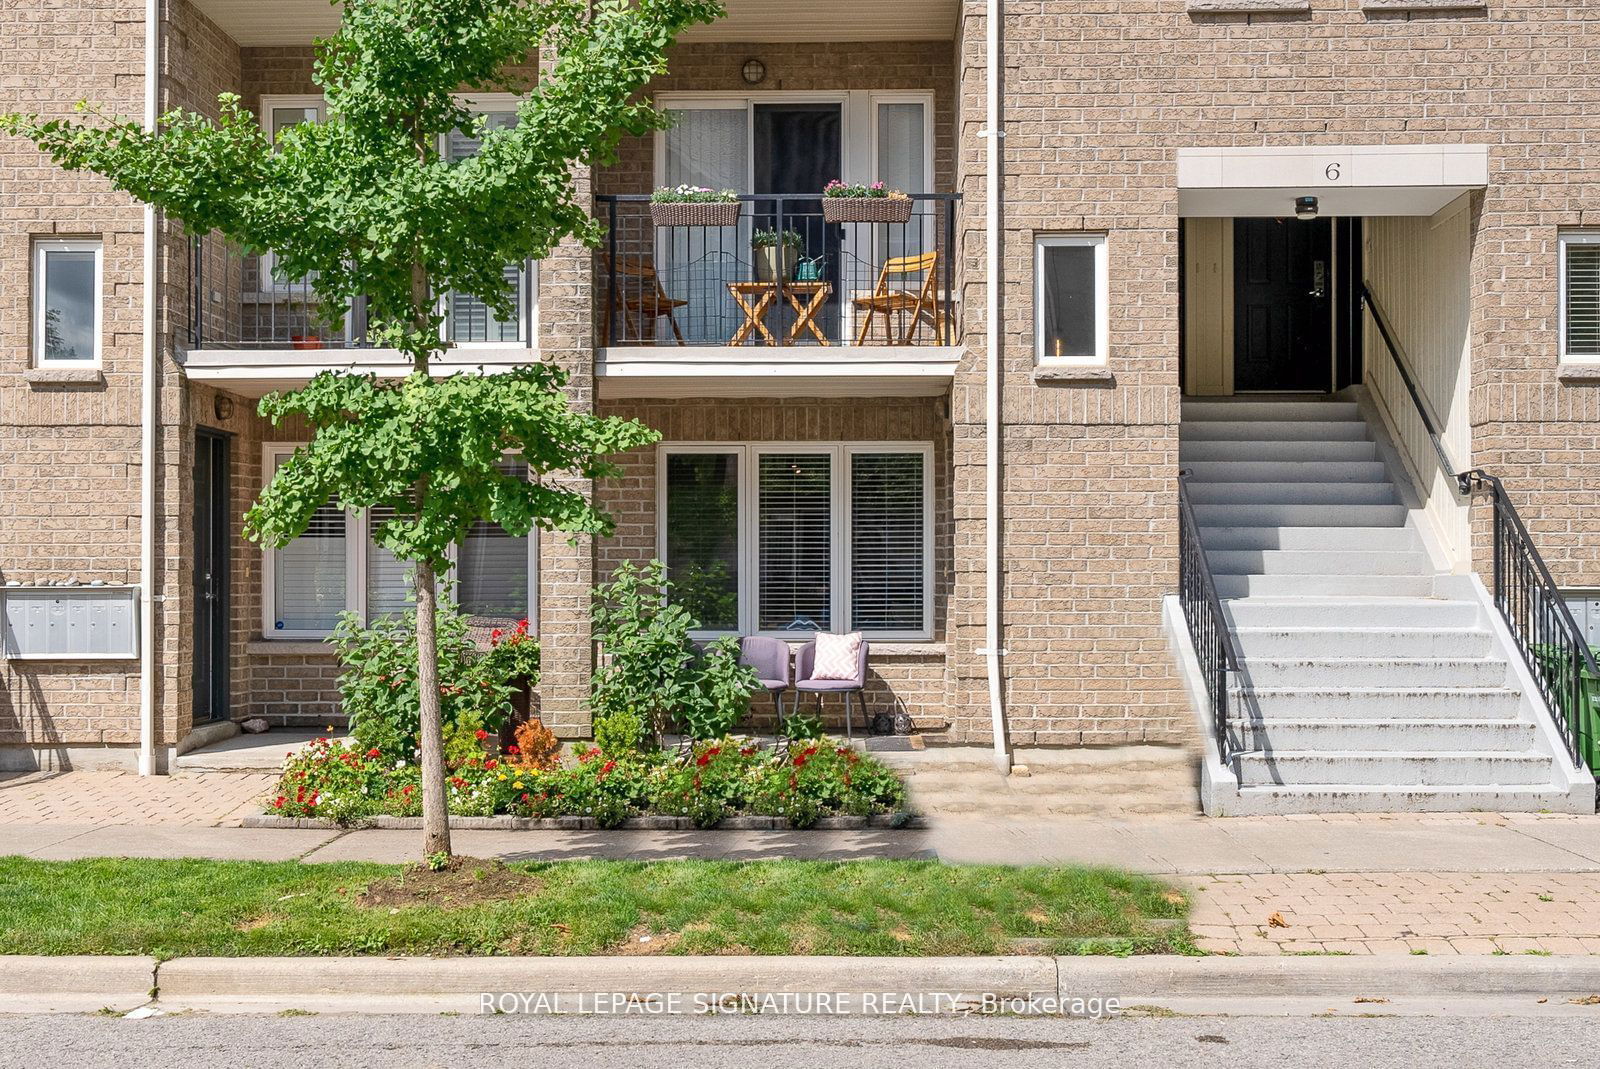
1203,616
1547,636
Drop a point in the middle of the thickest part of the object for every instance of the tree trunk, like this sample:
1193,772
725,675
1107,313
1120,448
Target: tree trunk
435,805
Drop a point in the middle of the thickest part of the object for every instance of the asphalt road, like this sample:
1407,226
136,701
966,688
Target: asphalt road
84,1042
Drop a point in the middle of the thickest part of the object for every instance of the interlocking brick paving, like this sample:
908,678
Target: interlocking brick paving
1398,913
121,798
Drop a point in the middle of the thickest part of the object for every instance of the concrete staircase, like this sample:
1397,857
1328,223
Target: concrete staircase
1371,680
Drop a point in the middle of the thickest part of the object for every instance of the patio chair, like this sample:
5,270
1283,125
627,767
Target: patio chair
642,299
805,660
915,292
770,658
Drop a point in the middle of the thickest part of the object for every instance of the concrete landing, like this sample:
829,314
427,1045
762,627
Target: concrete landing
246,753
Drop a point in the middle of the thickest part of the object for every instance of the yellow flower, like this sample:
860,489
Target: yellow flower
517,785
502,775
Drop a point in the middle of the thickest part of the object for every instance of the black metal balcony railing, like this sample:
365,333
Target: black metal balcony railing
239,302
850,283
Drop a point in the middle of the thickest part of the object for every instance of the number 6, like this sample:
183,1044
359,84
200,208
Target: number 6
1332,173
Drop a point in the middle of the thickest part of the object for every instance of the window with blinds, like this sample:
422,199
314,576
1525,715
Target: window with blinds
1581,295
702,536
388,579
492,568
309,575
467,318
794,508
888,546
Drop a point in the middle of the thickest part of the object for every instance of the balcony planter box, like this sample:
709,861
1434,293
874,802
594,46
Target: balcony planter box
866,209
696,213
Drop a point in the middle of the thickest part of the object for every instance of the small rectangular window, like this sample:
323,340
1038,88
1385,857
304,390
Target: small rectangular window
309,576
702,536
1070,299
67,302
1580,296
794,530
888,542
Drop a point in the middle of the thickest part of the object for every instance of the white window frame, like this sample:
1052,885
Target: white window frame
41,249
481,104
358,536
1102,276
748,524
267,281
1566,239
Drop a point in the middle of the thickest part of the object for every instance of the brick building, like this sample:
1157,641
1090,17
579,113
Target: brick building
1194,194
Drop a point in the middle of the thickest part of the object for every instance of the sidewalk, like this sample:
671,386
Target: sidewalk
1358,884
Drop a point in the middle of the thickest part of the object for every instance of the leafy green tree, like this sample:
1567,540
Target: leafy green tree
367,205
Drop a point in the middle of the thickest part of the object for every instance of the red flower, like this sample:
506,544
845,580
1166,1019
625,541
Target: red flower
609,766
705,759
279,802
374,752
480,734
408,788
495,634
491,763
513,750
800,760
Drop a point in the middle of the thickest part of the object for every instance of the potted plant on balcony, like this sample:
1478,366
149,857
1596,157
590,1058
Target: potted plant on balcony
767,245
859,203
694,206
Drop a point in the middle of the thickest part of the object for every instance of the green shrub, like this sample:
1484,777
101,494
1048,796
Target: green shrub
378,688
619,733
719,696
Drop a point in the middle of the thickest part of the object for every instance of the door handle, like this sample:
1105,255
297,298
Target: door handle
1319,276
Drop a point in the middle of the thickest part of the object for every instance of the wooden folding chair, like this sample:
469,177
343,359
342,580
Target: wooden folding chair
919,299
642,298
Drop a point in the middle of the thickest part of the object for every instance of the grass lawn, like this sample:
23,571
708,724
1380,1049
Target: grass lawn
175,908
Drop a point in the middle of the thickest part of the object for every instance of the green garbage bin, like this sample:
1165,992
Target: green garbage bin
1585,719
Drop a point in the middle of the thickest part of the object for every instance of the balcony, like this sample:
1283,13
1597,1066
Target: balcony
782,301
252,331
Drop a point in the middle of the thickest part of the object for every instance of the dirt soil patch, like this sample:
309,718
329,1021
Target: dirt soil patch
466,881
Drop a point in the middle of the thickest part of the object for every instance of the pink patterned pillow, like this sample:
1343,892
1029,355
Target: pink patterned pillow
838,656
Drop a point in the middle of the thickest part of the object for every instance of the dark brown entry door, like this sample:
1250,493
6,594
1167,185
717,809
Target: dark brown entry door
210,577
1283,301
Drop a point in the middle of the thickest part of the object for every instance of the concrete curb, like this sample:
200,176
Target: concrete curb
884,821
687,985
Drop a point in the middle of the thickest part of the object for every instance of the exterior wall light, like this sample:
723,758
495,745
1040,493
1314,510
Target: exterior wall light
1305,208
754,72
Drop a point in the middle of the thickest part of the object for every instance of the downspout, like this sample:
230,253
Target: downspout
993,134
147,421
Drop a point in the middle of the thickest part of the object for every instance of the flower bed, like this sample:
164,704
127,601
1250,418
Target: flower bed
797,785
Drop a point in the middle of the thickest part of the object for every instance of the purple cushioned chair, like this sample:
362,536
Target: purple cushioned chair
805,661
770,658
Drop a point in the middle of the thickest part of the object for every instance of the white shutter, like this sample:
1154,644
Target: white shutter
388,579
1583,299
702,536
888,545
309,575
794,535
492,567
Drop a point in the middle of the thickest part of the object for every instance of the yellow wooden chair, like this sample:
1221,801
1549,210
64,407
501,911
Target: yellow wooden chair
916,294
642,298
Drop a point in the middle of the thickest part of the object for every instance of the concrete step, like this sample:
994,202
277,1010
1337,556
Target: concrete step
1286,471
1254,642
1352,612
1296,493
1323,586
1360,539
1381,703
1343,798
1315,562
1231,410
1193,450
1319,670
1255,514
1377,736
1443,768
1287,430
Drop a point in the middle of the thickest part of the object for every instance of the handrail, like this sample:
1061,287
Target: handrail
1204,618
1548,637
1402,364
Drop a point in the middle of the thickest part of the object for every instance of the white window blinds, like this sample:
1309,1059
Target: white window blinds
887,542
388,579
702,536
1582,299
309,575
468,318
493,569
795,529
